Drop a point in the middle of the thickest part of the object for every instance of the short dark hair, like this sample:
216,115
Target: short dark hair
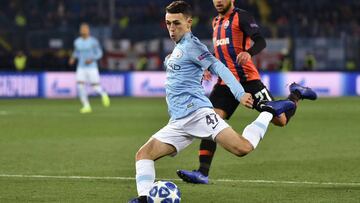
179,7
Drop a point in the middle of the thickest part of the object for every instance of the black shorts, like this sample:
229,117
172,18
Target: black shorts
222,98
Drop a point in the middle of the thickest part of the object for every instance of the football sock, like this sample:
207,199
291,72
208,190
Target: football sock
145,176
83,95
256,130
295,97
206,153
99,90
290,113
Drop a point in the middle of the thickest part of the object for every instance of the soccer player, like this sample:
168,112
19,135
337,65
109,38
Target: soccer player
191,112
87,52
233,31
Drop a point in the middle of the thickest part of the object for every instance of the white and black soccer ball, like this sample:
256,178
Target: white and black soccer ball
164,192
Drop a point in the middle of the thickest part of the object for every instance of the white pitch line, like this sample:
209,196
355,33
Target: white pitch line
214,180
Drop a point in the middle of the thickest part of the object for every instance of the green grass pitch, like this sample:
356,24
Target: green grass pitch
316,158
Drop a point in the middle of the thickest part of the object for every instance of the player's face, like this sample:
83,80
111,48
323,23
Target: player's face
223,6
84,30
177,24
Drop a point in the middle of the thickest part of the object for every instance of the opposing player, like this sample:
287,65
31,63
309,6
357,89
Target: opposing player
87,52
233,31
191,112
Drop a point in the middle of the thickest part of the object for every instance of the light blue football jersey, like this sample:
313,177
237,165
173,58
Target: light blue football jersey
85,49
184,72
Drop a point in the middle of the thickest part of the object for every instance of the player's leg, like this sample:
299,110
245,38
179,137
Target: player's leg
167,141
225,104
207,149
254,132
94,78
145,168
81,79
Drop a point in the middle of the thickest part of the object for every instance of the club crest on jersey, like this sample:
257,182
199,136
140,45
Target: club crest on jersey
226,24
177,53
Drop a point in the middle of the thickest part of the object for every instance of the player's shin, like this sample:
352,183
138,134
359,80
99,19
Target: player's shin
206,153
145,176
256,130
99,89
83,95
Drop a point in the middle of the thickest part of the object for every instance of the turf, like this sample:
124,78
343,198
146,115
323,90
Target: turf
50,138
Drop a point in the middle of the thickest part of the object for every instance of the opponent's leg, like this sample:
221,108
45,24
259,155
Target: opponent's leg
298,92
207,149
225,105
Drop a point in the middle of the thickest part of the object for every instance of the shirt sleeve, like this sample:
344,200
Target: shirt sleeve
97,50
224,73
248,24
200,55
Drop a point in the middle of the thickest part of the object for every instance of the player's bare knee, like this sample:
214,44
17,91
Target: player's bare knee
243,150
139,155
143,153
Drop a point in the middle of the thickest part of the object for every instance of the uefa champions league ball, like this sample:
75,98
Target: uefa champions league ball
164,192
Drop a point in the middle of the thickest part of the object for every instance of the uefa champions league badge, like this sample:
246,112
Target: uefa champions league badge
226,24
177,53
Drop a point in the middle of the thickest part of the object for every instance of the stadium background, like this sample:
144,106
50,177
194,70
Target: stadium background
51,153
301,36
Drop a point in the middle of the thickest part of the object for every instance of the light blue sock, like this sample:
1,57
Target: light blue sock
83,95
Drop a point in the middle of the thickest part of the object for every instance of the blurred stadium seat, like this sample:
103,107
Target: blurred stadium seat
132,32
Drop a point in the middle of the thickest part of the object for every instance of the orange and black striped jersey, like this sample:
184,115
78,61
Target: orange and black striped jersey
231,35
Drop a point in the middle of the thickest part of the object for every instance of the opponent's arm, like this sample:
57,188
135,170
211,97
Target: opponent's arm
250,28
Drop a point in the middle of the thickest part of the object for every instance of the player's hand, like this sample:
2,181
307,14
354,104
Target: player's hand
243,58
207,75
88,61
71,61
247,100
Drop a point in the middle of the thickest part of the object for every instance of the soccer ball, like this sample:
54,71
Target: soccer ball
164,192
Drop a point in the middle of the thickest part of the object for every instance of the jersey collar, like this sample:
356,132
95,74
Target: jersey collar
185,37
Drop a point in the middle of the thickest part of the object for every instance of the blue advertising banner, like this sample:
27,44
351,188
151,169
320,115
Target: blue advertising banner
152,84
20,85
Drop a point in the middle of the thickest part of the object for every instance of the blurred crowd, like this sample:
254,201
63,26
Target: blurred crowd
42,31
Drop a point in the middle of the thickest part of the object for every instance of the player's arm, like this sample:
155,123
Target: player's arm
236,88
249,26
201,56
97,50
74,56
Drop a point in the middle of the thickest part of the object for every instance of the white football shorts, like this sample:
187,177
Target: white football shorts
90,75
203,124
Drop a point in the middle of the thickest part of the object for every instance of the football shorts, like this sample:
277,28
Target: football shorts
203,124
90,75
